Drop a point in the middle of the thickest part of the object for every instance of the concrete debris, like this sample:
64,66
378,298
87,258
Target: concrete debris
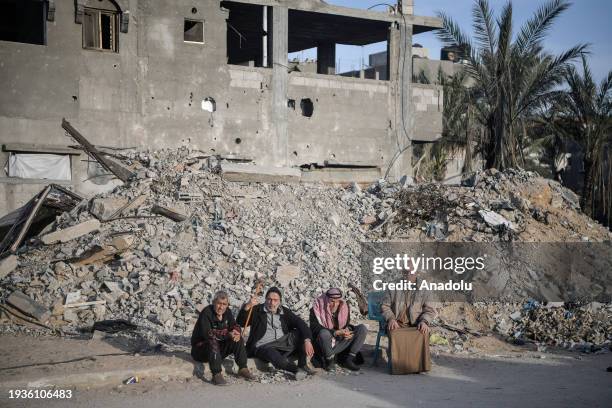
494,220
29,307
158,271
8,265
70,233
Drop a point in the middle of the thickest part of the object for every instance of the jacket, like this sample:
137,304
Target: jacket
418,305
289,321
208,326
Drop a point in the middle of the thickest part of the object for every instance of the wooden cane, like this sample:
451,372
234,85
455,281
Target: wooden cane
257,292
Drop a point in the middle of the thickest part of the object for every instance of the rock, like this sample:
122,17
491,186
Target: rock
286,273
104,208
277,240
368,219
167,258
571,198
227,249
210,281
154,250
494,220
334,219
23,303
355,188
70,233
516,316
8,265
123,242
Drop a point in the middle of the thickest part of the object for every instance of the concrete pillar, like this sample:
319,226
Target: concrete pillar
326,58
400,98
280,77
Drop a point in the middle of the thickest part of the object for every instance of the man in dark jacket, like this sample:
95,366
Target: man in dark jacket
215,336
336,338
276,333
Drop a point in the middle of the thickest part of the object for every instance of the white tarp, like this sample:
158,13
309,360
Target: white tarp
39,166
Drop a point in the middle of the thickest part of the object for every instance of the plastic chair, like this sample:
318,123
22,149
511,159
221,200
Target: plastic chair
374,313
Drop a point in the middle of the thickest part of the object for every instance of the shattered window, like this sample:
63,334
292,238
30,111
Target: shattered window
100,30
193,31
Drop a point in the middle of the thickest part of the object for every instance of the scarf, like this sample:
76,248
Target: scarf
324,315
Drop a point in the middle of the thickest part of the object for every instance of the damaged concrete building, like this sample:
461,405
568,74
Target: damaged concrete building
210,74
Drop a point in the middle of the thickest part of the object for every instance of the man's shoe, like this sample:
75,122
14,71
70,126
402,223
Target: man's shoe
246,374
308,369
330,364
350,364
218,379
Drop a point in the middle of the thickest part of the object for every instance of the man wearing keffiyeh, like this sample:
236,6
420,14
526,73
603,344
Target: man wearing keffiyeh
336,338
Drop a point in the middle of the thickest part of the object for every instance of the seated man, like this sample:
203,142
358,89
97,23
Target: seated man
215,336
408,314
330,325
276,332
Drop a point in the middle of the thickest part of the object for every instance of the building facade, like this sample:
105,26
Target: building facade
210,74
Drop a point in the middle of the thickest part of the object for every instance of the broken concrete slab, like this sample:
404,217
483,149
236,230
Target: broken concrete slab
262,174
23,303
70,233
104,208
286,273
494,220
8,265
169,212
123,242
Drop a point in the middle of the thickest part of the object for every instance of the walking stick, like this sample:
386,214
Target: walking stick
257,292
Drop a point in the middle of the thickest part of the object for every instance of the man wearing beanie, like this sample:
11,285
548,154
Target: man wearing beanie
336,337
276,333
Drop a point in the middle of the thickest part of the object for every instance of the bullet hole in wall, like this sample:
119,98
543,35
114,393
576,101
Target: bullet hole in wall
238,140
295,153
227,105
307,107
74,98
291,103
194,10
333,156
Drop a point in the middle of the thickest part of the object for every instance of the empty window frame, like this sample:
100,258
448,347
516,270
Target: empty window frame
193,31
100,30
23,21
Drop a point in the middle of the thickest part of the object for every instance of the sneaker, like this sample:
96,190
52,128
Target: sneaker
330,364
350,364
246,374
218,379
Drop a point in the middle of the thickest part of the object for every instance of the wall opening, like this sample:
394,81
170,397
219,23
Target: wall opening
331,44
24,21
307,107
100,30
193,31
247,34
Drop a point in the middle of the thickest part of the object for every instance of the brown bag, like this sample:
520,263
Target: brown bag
409,351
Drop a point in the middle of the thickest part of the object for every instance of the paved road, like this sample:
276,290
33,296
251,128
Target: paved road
555,381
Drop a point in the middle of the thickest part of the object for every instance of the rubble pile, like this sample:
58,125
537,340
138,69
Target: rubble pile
155,249
582,328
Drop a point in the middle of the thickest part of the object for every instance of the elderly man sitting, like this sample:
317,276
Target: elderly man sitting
330,325
215,336
409,314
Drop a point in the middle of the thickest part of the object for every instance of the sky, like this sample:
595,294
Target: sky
586,21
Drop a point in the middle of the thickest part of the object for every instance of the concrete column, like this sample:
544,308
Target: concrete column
400,98
280,77
326,58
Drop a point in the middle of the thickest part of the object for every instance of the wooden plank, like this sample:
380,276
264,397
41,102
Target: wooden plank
173,214
39,148
83,304
119,171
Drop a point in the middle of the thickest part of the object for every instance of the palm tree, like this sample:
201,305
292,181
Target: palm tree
513,76
585,114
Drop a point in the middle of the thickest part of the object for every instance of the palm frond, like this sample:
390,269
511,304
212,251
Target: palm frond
536,28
